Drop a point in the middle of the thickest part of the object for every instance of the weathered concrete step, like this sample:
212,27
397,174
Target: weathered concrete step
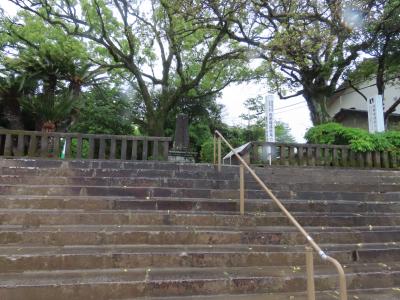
170,235
364,294
28,258
120,283
345,178
37,217
129,165
193,204
54,190
190,183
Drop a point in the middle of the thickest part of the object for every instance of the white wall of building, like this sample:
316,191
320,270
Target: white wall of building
350,99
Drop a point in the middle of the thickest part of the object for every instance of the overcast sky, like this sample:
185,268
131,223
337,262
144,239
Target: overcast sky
292,111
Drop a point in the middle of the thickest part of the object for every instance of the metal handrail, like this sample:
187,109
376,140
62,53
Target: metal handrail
313,244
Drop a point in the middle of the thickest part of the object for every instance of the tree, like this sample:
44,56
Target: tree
55,67
104,110
306,45
167,54
12,88
256,122
384,61
48,110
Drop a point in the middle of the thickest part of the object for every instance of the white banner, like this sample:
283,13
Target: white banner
376,121
269,119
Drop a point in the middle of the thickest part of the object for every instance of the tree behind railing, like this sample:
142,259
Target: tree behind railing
14,143
321,155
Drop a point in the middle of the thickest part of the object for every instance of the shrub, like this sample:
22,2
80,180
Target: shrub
207,151
358,139
85,148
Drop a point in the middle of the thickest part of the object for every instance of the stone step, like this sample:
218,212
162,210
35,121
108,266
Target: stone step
23,258
188,183
365,294
291,175
124,283
115,164
193,204
78,190
37,217
201,235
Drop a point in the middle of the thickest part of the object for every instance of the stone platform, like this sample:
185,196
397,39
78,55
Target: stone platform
110,230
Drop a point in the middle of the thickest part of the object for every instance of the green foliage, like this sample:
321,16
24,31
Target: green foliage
104,111
170,50
85,148
358,139
393,137
46,109
255,109
207,151
44,72
238,136
199,133
283,134
255,131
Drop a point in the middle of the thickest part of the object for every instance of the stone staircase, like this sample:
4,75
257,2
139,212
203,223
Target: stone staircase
153,230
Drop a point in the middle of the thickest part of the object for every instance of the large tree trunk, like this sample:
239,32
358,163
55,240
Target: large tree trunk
317,106
75,88
12,112
156,125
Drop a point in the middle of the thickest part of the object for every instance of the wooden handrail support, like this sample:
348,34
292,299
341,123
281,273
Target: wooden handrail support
313,244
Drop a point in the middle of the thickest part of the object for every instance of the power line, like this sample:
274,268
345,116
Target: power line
289,105
280,112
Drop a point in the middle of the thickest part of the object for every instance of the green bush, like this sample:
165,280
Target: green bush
85,148
207,151
358,139
393,138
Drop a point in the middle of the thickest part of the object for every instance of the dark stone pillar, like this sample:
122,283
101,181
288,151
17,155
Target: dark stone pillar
181,140
180,152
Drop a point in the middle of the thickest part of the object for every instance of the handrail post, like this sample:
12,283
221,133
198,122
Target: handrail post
342,277
215,150
241,189
310,274
219,154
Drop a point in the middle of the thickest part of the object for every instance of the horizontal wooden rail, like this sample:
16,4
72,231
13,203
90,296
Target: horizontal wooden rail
320,155
18,143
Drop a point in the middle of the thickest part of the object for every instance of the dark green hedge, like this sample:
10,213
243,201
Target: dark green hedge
358,139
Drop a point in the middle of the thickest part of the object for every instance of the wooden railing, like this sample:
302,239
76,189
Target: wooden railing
320,155
15,143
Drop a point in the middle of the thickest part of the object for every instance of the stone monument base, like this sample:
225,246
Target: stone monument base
181,156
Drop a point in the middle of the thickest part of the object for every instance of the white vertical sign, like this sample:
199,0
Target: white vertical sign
376,121
269,125
269,119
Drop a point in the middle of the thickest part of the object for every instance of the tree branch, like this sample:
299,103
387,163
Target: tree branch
299,93
392,108
357,90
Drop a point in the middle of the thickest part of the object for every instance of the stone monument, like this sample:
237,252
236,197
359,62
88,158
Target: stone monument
180,152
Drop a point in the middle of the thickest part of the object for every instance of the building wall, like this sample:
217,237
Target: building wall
361,121
349,98
356,121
